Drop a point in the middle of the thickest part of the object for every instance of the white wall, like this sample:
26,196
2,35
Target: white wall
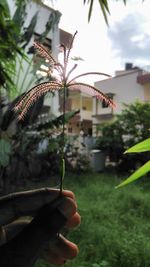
43,15
125,89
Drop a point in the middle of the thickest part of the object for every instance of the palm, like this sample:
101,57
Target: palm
104,6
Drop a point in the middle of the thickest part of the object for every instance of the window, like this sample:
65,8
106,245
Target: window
104,103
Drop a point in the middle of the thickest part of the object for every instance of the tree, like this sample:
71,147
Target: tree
104,6
128,128
13,42
7,33
13,35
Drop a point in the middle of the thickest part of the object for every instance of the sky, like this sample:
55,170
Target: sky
107,48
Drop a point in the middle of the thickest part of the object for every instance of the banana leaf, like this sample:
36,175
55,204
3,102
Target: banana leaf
57,122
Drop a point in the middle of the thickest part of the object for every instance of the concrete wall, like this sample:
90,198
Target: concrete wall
147,92
124,87
25,82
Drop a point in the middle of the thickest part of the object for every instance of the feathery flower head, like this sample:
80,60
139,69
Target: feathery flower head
62,81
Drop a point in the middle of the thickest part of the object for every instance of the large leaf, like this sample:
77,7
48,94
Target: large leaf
5,152
137,174
140,147
29,31
9,115
53,20
103,6
57,122
33,113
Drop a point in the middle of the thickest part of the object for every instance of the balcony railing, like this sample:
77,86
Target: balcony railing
103,116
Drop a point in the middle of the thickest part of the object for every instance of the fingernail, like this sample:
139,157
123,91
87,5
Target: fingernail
67,207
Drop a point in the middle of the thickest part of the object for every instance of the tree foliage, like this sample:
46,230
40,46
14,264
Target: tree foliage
104,7
14,39
140,147
7,33
128,128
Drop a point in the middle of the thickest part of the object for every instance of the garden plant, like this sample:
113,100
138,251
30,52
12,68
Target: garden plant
14,134
127,128
61,82
119,232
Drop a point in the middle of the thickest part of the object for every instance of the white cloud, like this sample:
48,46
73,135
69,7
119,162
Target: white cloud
107,49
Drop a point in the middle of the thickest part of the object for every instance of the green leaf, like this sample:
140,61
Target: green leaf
140,147
105,10
136,175
5,151
90,10
57,122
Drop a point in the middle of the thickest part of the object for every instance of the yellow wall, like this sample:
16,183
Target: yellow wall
147,92
80,102
87,103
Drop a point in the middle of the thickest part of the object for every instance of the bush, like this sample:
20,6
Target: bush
128,128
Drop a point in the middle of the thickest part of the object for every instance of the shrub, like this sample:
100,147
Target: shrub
128,128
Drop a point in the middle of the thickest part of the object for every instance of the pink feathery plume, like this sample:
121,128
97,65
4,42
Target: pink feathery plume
61,82
32,95
43,52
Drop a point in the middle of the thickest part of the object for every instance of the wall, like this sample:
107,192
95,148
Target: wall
147,92
125,88
25,82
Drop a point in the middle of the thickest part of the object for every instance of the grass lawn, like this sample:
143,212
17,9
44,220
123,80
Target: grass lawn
115,228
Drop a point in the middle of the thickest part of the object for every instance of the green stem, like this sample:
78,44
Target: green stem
63,142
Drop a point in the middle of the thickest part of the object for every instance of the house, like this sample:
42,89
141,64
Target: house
126,86
76,100
82,121
24,79
144,80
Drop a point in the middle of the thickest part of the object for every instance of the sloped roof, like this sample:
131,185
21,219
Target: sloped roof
144,78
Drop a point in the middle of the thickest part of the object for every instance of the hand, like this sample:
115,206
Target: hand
31,221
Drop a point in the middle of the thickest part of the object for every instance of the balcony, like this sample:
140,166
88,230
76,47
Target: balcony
106,116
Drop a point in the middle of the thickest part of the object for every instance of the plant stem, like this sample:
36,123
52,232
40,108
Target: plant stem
63,142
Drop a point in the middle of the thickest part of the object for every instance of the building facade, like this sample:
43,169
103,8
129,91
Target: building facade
82,121
25,79
126,86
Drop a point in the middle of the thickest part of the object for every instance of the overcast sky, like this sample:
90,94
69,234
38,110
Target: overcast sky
103,48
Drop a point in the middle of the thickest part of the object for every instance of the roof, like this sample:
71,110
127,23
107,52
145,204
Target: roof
65,37
144,78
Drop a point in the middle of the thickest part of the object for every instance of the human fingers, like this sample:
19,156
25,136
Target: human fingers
24,249
26,203
60,250
68,193
73,221
11,230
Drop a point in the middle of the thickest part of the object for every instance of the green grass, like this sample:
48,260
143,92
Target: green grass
115,228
